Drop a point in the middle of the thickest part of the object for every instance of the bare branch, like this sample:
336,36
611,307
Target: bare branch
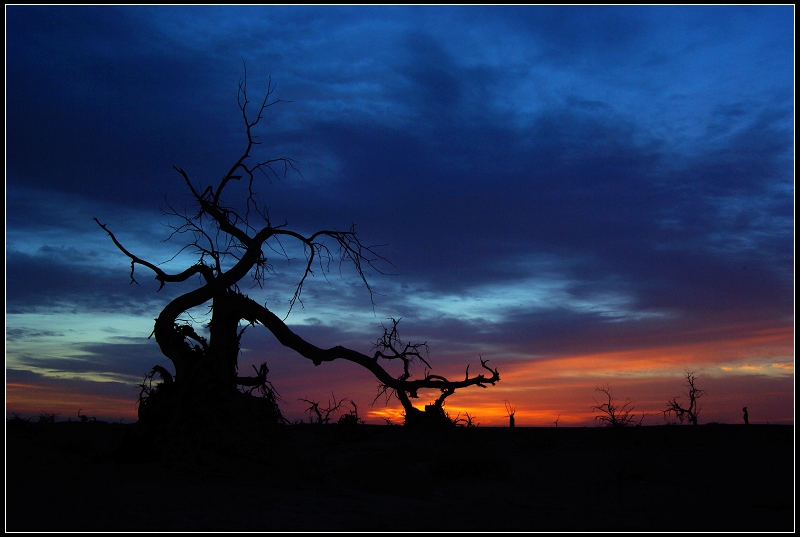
612,414
693,393
161,276
315,410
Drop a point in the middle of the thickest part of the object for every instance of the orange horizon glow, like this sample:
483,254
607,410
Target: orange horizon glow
547,391
31,400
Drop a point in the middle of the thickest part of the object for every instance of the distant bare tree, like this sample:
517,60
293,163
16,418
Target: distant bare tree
351,418
467,421
611,413
693,393
319,415
510,410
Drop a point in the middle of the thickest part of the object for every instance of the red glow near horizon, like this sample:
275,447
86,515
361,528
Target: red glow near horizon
31,400
741,371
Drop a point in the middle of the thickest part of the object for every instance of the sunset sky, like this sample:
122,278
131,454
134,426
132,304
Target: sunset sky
584,196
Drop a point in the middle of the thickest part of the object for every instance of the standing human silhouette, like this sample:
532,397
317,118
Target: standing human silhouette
746,420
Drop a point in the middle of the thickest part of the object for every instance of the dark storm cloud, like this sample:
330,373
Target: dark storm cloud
568,33
591,190
435,81
99,89
446,207
49,283
580,174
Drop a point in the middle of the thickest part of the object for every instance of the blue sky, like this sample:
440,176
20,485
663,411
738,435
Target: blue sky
583,195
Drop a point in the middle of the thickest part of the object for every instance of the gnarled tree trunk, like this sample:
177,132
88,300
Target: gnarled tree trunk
231,246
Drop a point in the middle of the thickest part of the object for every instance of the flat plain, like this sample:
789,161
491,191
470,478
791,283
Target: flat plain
97,476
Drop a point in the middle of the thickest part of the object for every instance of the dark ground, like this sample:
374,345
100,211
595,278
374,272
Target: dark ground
95,476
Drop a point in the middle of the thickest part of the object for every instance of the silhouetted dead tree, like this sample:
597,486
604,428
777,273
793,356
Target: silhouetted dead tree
350,419
467,421
232,238
510,410
323,415
611,413
693,393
